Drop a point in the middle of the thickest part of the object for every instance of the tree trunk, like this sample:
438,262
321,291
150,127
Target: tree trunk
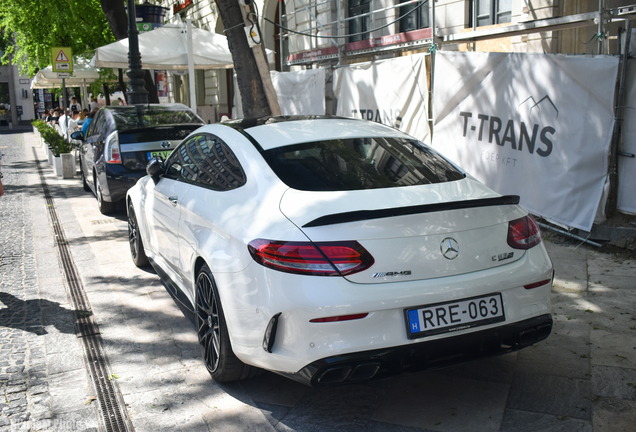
115,12
249,80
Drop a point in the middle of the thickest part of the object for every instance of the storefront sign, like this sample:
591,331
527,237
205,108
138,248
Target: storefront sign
318,54
180,6
418,37
388,40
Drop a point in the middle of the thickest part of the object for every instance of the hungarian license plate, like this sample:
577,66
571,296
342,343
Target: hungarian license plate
453,316
163,154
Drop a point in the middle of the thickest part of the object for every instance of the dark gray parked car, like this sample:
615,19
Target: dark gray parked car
122,139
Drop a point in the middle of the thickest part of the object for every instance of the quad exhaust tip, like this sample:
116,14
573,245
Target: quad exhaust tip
352,373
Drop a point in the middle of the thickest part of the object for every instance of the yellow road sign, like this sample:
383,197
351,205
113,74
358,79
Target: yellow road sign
62,59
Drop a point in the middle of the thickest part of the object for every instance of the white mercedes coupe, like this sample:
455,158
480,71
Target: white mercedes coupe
333,250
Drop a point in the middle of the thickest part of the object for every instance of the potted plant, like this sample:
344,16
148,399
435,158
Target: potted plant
63,160
43,128
67,161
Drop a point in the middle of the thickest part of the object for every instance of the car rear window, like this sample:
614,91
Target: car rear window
132,118
359,163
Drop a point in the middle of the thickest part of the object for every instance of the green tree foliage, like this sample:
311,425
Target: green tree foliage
30,28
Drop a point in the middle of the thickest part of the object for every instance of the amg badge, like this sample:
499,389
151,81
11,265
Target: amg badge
395,274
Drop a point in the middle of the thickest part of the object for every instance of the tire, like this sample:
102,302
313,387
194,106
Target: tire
85,185
219,359
137,251
105,207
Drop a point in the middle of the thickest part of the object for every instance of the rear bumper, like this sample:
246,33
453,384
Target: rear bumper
118,180
383,363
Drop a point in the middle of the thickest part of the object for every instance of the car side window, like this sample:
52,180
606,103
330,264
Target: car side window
96,125
179,164
208,161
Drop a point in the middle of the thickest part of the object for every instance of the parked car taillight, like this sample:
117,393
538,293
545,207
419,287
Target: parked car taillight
317,259
111,149
523,233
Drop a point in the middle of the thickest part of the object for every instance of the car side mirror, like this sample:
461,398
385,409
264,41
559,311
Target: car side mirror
155,167
79,135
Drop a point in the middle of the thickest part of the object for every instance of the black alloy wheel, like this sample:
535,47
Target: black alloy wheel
219,359
105,207
137,251
85,185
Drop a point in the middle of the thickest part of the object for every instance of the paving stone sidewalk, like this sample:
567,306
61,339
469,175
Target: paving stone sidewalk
37,335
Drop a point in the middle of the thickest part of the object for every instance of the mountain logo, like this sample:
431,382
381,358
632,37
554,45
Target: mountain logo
536,104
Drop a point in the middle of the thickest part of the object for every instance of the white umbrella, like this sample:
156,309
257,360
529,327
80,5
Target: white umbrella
168,48
82,74
165,48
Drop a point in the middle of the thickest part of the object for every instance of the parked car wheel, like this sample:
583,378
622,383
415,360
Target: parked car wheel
85,185
105,207
220,360
137,250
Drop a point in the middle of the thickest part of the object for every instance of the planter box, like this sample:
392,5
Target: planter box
49,153
68,165
57,166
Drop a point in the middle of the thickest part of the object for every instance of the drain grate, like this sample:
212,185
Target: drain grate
110,402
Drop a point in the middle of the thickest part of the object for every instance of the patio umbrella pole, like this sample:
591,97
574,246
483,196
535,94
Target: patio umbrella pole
193,94
64,105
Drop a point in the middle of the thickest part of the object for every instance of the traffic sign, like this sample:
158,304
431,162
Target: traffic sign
63,75
62,59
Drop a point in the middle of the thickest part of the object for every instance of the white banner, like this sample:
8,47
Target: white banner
534,125
393,92
299,93
627,165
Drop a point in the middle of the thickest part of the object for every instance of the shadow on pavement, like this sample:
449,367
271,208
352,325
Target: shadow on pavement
24,315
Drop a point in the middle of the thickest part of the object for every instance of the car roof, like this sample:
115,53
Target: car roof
280,131
166,106
133,117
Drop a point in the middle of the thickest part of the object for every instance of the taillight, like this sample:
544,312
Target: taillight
111,149
523,233
339,318
316,259
537,284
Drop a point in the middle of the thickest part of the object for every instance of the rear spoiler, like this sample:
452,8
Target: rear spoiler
361,215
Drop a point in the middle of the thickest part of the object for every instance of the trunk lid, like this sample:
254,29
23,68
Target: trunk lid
407,230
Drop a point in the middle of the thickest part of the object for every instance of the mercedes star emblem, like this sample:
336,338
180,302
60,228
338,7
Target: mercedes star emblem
449,248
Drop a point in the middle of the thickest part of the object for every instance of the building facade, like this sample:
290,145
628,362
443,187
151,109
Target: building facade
326,33
15,92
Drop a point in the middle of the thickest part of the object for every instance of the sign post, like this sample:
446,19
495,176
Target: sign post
62,62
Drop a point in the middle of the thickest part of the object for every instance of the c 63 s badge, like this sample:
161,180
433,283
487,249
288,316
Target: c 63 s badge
503,256
394,274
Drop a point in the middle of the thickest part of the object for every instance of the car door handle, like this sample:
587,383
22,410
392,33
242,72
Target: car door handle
173,199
